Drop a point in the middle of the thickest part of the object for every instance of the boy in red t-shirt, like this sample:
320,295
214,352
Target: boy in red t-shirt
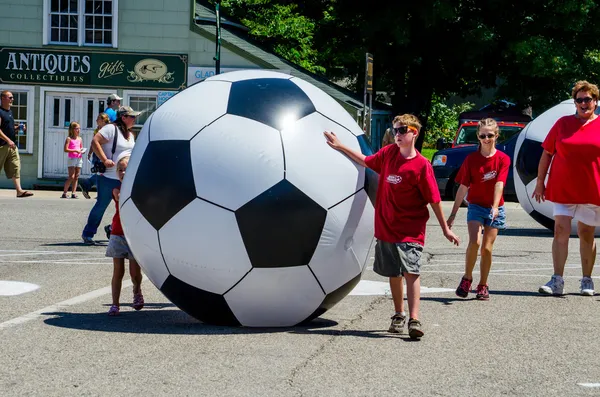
118,249
406,185
483,174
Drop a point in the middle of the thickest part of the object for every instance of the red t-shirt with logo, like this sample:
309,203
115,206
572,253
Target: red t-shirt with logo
480,175
405,188
116,227
575,171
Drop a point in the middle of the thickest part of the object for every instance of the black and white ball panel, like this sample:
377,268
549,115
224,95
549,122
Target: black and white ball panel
239,211
277,297
281,226
363,236
248,74
528,152
333,298
168,162
235,160
198,229
183,115
273,102
326,176
328,106
336,242
143,241
203,305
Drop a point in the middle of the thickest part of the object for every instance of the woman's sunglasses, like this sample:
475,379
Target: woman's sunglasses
488,136
587,99
404,129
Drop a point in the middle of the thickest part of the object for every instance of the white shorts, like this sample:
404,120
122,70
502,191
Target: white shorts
584,213
75,162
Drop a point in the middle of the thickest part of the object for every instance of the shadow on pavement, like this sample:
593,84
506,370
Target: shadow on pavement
167,321
451,300
526,232
177,322
101,243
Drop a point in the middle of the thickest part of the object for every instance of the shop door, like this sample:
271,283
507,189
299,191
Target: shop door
61,110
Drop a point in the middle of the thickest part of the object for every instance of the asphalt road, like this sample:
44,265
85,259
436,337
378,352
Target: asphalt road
58,341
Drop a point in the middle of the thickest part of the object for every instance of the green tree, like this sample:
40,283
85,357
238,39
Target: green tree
443,120
431,49
280,25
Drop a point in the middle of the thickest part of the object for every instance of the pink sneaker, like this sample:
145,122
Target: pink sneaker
483,292
138,301
113,311
463,288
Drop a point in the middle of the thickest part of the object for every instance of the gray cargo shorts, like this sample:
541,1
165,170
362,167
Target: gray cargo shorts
395,259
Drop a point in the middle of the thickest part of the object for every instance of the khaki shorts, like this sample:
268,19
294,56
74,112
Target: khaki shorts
395,259
9,160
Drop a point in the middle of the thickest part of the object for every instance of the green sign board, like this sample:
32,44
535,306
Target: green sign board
93,68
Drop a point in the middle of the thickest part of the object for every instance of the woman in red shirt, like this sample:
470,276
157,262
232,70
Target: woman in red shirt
483,175
573,147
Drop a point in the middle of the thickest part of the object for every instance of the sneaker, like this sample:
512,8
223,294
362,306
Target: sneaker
74,196
113,311
555,286
88,240
64,195
107,230
414,329
587,286
483,292
463,288
138,301
84,190
397,325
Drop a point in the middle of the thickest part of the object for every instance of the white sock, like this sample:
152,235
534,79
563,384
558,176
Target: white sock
401,314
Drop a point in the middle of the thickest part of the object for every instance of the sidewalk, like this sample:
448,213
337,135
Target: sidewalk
39,194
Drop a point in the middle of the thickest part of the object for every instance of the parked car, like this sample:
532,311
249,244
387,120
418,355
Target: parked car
447,162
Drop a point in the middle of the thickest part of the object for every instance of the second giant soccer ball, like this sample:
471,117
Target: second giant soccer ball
528,151
238,210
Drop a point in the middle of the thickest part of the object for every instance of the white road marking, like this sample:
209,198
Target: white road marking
12,288
368,287
27,252
36,253
60,306
462,262
504,274
589,384
69,262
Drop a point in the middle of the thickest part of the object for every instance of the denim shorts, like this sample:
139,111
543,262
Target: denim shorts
74,162
393,260
118,248
483,215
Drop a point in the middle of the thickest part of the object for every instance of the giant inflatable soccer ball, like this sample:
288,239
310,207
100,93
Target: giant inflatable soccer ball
528,151
238,210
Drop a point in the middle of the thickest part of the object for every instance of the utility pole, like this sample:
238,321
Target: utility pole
217,57
368,98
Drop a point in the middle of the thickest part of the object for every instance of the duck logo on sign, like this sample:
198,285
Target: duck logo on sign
150,69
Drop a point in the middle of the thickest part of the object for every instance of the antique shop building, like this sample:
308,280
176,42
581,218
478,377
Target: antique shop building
62,58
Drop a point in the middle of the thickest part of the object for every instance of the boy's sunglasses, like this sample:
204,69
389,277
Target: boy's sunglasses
404,129
488,136
587,99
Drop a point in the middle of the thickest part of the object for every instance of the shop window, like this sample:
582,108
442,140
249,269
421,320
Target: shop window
144,104
81,22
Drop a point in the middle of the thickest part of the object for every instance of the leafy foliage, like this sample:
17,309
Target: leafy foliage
533,51
443,120
280,25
